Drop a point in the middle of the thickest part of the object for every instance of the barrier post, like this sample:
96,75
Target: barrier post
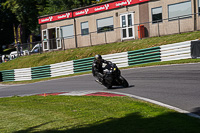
179,27
105,38
90,39
63,43
1,79
158,28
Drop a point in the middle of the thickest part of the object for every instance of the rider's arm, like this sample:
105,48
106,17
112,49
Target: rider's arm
94,69
105,61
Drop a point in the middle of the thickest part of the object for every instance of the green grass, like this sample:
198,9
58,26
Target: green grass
73,54
88,114
67,114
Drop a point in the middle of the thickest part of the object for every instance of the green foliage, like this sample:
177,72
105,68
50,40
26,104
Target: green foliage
27,12
54,6
98,1
7,19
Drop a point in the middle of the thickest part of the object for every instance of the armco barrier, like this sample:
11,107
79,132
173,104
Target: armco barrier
121,59
63,68
8,75
83,65
1,77
176,51
144,56
22,74
156,54
40,72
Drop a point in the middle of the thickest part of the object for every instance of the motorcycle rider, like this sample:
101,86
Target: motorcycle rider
97,69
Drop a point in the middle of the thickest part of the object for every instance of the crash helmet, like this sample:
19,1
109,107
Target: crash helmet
98,57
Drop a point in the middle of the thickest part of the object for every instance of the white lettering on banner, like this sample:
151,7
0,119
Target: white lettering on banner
47,19
105,7
86,11
94,9
44,20
64,16
128,2
100,8
50,18
82,12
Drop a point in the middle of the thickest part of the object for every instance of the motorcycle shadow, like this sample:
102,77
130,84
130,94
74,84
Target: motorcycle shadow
121,87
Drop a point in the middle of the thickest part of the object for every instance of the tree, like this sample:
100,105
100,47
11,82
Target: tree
85,2
54,6
98,1
27,13
7,19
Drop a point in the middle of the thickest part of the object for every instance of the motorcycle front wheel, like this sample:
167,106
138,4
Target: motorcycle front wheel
108,86
124,83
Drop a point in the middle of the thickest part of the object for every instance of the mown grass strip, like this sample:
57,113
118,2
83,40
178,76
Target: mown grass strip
89,114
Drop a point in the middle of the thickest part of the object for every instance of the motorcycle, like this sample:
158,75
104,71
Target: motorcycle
112,76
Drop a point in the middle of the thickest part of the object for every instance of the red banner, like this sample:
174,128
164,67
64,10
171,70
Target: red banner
55,18
108,6
105,7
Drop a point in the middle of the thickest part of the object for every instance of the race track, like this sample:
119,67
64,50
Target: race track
175,85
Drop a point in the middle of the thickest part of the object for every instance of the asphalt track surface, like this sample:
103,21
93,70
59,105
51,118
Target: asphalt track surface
175,85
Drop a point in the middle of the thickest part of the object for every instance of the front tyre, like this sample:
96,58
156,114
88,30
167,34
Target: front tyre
109,86
124,83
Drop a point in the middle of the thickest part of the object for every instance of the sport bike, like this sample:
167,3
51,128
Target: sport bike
112,77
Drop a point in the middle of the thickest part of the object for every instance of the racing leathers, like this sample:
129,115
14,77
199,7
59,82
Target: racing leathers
97,69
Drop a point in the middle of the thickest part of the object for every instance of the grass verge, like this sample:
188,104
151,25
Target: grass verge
88,114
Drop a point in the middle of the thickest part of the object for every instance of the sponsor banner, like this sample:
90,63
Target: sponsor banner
108,6
95,9
55,18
